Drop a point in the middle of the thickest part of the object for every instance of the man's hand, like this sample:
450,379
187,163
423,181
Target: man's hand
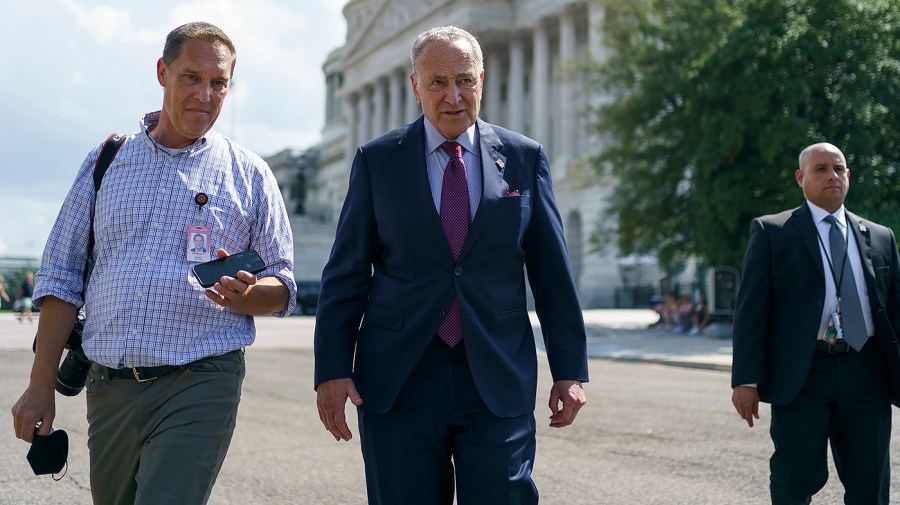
571,395
746,402
36,407
245,294
330,399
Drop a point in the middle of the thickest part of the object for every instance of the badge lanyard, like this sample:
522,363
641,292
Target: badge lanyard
199,248
835,331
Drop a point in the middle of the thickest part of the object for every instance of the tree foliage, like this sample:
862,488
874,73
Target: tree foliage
711,101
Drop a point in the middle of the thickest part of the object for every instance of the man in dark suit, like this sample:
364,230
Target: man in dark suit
425,288
814,336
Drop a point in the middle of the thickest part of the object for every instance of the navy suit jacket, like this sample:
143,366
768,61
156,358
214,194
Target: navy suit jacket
391,276
781,297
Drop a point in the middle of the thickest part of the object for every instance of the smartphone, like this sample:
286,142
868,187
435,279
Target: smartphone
210,272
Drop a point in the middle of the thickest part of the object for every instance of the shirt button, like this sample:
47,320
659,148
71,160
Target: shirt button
156,225
134,332
162,190
149,259
140,293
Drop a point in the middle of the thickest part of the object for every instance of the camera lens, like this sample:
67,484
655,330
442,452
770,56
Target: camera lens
72,373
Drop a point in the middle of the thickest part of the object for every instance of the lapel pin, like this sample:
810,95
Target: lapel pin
500,163
863,228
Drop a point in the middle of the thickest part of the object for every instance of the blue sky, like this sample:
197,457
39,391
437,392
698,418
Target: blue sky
75,71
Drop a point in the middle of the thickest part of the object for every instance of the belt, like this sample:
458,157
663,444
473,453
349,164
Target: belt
148,373
143,373
838,347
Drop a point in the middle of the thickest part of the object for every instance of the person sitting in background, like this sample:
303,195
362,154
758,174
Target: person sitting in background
701,316
684,313
667,311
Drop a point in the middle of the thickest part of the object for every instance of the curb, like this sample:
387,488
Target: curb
665,362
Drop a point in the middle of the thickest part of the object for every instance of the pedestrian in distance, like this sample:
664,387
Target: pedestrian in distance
422,320
3,294
24,297
166,355
814,336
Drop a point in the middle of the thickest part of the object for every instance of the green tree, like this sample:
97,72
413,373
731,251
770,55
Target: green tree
711,102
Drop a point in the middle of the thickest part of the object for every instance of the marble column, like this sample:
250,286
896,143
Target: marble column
396,105
492,82
567,119
379,106
598,52
515,87
329,98
364,117
540,97
352,126
596,15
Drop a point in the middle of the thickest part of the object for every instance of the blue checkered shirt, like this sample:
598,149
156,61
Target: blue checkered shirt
143,306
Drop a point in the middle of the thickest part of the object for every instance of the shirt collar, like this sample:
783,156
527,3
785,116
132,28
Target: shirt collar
434,139
150,120
820,214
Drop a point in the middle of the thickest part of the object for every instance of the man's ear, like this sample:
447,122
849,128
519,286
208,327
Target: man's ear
161,72
412,79
799,176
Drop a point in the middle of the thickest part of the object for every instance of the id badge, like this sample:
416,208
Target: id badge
198,243
834,331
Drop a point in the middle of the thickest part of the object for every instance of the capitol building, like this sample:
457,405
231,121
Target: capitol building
532,49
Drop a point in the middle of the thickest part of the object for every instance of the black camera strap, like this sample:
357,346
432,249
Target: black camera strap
107,153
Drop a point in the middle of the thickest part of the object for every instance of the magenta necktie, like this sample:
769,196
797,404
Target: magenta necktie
455,222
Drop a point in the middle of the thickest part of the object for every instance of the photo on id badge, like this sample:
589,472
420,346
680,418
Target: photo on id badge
834,331
198,249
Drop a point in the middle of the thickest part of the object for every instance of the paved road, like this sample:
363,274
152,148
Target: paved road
650,434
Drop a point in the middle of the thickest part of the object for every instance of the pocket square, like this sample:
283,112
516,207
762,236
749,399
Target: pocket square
514,192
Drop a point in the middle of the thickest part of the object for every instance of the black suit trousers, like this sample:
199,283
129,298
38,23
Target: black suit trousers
845,400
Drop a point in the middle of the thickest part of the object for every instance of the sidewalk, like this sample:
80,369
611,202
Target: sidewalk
619,334
625,335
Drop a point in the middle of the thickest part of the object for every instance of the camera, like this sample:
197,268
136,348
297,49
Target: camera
73,370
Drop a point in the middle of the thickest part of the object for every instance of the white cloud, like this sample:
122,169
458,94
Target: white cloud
108,24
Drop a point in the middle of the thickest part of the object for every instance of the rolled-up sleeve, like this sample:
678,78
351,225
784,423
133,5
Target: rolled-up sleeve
63,264
272,236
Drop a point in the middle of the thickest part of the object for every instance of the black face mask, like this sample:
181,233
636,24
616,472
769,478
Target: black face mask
48,453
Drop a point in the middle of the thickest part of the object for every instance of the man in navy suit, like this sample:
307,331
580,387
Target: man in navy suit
425,290
814,335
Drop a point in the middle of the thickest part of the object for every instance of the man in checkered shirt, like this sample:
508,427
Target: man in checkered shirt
167,354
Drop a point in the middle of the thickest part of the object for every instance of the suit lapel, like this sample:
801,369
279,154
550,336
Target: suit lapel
493,165
803,222
412,145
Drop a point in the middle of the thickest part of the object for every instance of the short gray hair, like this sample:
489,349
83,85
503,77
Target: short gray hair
447,34
197,30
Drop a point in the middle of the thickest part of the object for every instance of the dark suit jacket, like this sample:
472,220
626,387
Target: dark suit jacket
781,296
391,275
